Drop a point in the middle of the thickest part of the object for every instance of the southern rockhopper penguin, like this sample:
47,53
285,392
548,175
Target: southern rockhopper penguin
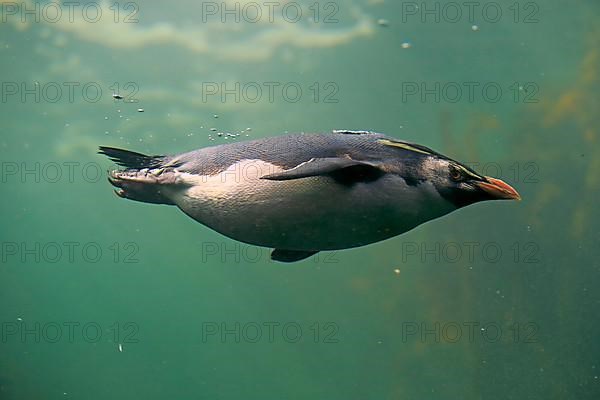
304,193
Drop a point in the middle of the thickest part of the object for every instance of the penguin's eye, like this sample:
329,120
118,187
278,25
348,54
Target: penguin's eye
455,174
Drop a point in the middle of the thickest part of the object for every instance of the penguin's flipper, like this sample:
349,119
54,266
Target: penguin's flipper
290,255
345,170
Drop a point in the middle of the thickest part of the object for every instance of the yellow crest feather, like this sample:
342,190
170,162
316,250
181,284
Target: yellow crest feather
404,146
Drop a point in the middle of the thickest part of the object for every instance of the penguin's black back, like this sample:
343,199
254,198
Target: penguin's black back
289,150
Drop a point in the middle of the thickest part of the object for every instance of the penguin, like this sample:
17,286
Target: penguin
304,193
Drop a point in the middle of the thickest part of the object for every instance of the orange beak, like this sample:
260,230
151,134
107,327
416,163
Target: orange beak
498,189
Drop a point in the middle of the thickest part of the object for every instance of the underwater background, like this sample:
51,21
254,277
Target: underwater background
106,298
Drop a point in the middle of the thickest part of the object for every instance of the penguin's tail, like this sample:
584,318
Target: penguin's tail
131,159
145,178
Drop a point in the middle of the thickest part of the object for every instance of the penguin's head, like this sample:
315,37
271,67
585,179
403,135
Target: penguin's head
462,186
453,181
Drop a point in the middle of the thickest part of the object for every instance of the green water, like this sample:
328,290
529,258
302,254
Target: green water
103,298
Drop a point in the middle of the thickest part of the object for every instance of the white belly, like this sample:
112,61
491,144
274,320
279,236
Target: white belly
313,213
